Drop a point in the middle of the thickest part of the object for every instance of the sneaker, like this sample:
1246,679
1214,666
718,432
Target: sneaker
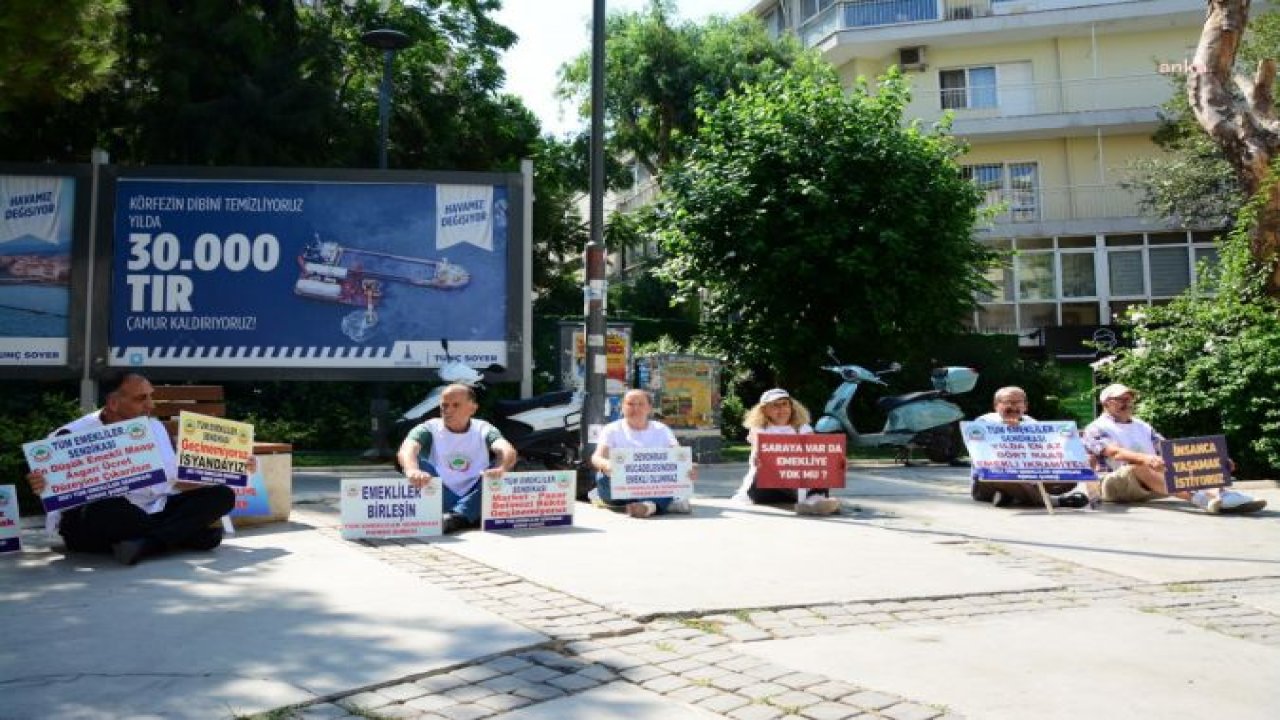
680,506
1203,500
741,498
453,522
642,509
817,505
1230,502
999,499
1074,499
593,497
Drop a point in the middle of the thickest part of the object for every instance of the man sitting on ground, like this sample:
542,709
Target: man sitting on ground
1011,409
1128,448
169,516
456,448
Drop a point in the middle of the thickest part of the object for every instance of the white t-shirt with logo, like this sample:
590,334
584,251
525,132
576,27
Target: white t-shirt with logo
458,457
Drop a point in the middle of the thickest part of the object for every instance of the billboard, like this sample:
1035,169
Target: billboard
311,275
43,211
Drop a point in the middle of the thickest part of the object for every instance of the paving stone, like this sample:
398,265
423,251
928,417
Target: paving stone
326,711
475,673
830,690
800,680
399,712
692,694
365,701
505,683
503,703
439,683
431,703
403,691
538,674
666,684
761,690
766,672
756,712
681,665
733,681
465,712
910,711
830,711
598,672
723,702
469,693
795,699
538,693
746,633
574,683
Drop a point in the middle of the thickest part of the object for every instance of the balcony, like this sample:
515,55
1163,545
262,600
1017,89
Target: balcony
638,196
846,15
1025,108
1060,207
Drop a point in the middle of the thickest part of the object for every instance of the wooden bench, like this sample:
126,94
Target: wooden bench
275,460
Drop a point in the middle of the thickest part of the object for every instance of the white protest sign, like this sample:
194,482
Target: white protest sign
643,473
1028,452
214,450
528,500
9,540
389,508
94,464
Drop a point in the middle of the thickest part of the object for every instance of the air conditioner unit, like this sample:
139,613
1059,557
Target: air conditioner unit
911,58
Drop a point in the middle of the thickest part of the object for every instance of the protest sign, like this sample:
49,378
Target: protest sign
800,461
389,508
95,464
1029,452
1195,463
9,540
528,500
252,499
643,473
214,450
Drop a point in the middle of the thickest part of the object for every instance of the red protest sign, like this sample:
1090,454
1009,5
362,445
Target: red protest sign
800,461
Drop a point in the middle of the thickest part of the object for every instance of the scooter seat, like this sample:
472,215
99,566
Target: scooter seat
507,408
893,401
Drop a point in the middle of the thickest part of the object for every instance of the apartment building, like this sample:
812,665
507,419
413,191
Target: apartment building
1056,98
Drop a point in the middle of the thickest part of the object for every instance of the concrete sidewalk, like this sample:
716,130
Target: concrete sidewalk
915,602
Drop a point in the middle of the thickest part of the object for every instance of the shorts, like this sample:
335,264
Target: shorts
1122,486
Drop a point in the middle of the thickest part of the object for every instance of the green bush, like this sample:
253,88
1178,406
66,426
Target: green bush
1209,361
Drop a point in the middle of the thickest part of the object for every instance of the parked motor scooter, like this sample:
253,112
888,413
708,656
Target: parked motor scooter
543,429
918,420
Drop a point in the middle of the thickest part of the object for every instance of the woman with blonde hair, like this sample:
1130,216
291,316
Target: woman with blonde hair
779,413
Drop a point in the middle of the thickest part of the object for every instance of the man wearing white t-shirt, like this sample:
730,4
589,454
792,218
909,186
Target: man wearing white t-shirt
148,521
1133,469
456,447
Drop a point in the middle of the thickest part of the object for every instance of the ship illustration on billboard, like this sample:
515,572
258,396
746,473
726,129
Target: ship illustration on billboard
332,272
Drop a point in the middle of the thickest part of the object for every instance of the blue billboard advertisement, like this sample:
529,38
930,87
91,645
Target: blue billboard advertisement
37,229
219,273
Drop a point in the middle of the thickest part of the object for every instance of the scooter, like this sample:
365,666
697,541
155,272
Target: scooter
543,429
918,420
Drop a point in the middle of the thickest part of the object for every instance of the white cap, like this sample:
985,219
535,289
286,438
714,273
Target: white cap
1115,390
774,394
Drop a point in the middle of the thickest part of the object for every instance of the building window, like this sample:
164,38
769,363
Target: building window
1078,278
1017,184
1170,270
1126,273
1036,278
968,88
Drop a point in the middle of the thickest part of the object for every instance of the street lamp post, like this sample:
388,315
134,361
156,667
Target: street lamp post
389,42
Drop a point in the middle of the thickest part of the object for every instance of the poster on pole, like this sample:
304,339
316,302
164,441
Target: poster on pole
1029,452
1196,463
809,461
643,473
389,508
103,462
235,276
10,540
39,298
214,450
522,500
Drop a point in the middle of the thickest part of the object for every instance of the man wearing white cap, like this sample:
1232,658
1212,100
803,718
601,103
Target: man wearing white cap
1133,468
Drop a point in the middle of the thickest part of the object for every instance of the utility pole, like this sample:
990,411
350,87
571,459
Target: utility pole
595,288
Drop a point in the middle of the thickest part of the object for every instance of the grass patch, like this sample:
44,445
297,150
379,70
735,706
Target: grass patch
706,626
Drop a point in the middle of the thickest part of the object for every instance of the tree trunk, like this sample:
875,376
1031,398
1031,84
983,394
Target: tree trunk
1242,123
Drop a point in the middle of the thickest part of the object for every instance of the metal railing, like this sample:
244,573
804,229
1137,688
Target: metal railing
1076,202
1124,92
638,196
846,15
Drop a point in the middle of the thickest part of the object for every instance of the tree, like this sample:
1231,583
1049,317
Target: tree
55,51
1209,361
1243,124
809,216
658,73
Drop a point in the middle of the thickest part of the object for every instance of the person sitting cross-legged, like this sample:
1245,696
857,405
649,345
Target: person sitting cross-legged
1133,472
634,430
456,448
1011,409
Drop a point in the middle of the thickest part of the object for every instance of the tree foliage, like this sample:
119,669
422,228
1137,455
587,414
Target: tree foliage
809,216
658,72
1209,361
55,51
